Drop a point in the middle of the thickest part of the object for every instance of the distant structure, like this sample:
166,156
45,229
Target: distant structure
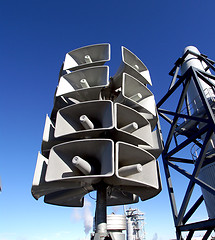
116,225
190,145
132,222
135,224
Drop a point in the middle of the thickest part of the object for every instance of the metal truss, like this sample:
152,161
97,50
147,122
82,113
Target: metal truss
192,134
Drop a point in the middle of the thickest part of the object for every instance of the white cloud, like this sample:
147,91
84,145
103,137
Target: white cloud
77,214
88,218
85,215
87,203
155,237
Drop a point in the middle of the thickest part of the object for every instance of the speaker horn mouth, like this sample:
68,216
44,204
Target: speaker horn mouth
68,162
133,66
91,55
83,80
82,120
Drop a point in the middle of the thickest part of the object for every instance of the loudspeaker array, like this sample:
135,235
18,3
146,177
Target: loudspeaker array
101,129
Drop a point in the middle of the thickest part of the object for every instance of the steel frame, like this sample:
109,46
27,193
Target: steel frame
169,160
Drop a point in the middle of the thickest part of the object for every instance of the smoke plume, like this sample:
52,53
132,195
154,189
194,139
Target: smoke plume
84,214
155,237
88,218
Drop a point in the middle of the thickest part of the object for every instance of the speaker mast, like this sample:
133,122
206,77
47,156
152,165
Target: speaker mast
103,135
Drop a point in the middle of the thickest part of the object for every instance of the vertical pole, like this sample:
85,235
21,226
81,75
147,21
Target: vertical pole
101,211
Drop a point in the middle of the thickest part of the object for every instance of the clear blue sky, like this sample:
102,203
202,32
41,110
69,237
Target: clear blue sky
35,36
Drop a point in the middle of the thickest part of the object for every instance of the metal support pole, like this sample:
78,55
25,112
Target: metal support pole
207,234
101,212
190,235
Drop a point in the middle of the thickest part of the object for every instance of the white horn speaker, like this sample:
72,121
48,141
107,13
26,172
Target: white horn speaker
71,121
48,137
92,55
143,181
131,126
84,84
96,161
136,95
40,187
133,66
157,144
